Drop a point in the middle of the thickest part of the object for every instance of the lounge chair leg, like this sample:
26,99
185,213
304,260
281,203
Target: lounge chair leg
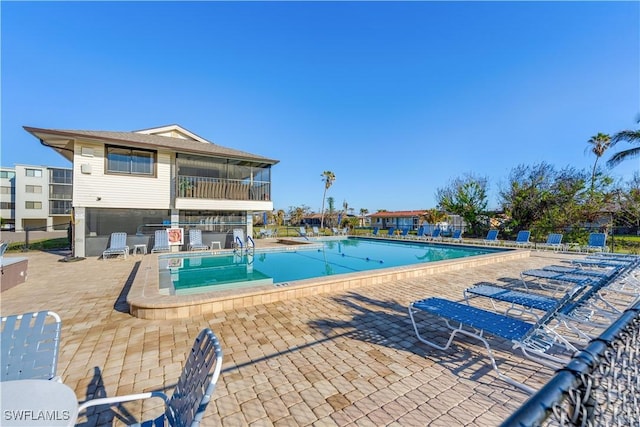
460,330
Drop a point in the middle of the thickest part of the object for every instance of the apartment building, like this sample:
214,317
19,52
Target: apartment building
141,181
35,197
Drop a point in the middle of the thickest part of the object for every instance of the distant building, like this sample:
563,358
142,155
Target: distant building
412,220
35,197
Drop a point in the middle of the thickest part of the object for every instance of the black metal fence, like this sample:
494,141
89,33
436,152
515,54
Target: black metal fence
599,387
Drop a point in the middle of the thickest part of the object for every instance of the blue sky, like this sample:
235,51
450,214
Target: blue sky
396,98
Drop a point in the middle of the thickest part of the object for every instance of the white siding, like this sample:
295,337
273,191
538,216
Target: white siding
97,189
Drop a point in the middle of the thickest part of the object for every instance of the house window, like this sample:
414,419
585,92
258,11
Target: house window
33,189
33,205
130,161
59,207
33,172
6,190
7,174
7,205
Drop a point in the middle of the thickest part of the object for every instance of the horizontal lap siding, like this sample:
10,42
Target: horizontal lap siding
119,191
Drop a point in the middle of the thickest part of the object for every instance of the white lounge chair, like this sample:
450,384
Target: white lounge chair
161,242
117,246
192,392
195,240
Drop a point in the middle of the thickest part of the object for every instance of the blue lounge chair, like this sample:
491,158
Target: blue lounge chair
30,344
435,234
537,341
161,242
456,236
554,241
391,232
195,240
192,392
420,234
597,242
522,240
375,231
492,237
404,233
117,246
553,280
575,315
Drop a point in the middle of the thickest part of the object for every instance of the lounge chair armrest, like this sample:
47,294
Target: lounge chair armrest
121,399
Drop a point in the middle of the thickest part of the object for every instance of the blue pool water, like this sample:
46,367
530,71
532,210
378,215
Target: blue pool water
203,272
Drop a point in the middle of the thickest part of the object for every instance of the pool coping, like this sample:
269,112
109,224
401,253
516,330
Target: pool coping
146,302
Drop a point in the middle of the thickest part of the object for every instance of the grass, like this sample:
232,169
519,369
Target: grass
41,245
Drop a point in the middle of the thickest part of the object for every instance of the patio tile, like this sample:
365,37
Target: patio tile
346,358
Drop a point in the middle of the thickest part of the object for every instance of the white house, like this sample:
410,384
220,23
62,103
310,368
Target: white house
138,182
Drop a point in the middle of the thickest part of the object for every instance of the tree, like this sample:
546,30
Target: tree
327,177
526,195
467,197
434,216
331,203
297,213
279,215
363,215
599,144
633,137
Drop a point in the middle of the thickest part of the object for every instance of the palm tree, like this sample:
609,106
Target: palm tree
327,177
599,144
633,137
363,214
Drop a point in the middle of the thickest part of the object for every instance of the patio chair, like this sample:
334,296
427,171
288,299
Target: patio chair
192,392
30,344
117,246
375,231
597,242
195,240
345,231
522,239
436,234
456,236
404,233
391,232
303,232
161,242
588,310
492,237
335,231
554,241
316,232
537,341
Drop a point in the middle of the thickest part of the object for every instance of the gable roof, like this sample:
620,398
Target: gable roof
62,141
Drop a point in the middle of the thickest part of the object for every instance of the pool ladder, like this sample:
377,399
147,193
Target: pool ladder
240,245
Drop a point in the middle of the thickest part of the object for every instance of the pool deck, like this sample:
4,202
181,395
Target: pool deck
340,358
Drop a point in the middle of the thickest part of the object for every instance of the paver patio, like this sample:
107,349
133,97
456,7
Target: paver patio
342,359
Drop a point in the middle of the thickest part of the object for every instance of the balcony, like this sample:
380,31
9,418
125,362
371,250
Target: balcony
196,187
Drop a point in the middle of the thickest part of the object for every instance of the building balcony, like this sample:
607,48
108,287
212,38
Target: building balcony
193,187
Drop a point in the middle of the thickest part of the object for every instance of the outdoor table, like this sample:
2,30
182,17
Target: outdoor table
44,403
141,249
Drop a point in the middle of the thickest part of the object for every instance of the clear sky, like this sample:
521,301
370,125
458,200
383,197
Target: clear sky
395,98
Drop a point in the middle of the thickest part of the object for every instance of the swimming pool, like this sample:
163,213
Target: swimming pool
197,273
